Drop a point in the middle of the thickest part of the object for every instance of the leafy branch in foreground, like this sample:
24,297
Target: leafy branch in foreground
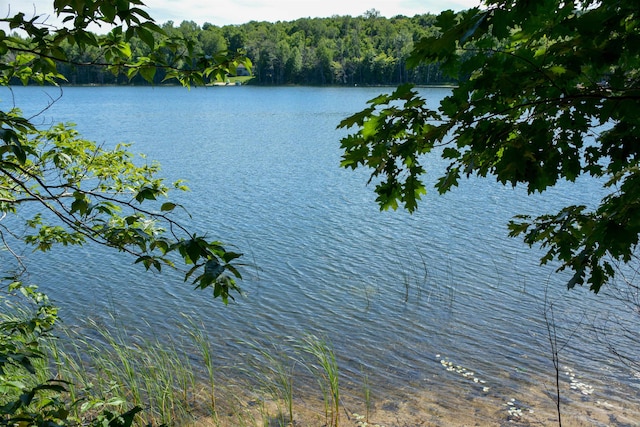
84,192
548,91
72,191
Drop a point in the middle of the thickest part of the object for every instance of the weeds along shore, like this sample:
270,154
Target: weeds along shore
286,382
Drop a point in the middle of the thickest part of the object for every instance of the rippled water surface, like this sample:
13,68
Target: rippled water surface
395,293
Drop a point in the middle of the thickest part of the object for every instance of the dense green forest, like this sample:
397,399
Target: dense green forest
341,50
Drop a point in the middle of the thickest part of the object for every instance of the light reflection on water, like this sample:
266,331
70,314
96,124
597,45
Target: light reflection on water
390,290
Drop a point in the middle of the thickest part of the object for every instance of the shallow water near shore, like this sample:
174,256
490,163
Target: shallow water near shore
399,296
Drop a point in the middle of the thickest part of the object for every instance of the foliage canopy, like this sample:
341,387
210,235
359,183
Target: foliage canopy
340,50
548,90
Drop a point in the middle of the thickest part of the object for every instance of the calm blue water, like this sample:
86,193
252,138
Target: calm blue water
390,290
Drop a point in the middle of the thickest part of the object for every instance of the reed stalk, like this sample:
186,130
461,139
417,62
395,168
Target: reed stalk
202,343
366,389
275,377
326,370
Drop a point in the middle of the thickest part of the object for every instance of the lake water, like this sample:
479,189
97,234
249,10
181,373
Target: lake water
394,293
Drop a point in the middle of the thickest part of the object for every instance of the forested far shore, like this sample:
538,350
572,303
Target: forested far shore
342,50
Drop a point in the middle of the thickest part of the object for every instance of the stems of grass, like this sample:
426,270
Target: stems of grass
367,395
119,366
276,377
202,343
328,374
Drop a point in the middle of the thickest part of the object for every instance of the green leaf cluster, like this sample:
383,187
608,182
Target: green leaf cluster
548,91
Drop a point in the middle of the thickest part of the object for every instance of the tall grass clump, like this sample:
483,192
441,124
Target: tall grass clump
325,368
202,343
274,371
30,393
366,391
173,382
115,365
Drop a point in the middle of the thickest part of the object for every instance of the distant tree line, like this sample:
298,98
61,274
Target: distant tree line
341,50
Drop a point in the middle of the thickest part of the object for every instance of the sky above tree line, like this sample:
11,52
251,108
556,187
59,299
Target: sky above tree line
232,12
